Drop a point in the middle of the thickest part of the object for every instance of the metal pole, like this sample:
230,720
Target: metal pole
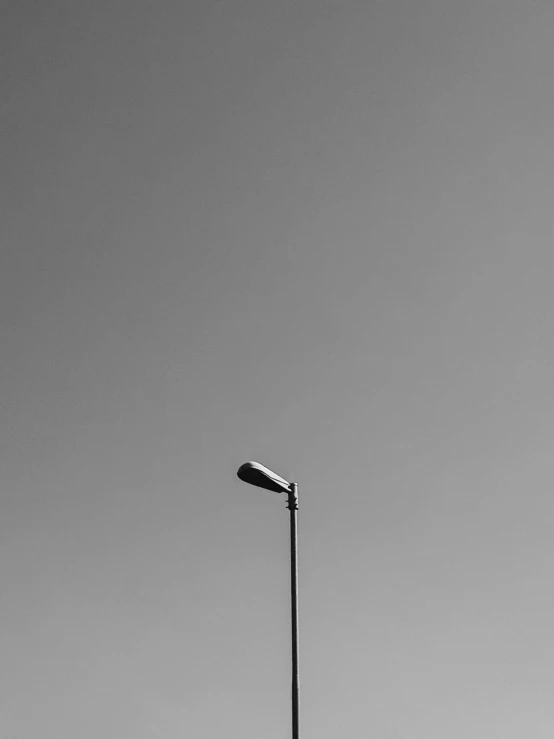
293,508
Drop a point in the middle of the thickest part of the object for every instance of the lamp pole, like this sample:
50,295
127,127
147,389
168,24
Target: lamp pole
293,508
255,473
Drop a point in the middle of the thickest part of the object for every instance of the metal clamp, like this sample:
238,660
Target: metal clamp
292,501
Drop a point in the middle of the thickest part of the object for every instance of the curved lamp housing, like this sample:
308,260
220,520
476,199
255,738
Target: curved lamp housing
256,474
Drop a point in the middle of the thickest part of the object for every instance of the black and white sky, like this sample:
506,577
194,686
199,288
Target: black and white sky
318,234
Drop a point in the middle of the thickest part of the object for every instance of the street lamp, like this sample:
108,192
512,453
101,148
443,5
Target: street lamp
255,473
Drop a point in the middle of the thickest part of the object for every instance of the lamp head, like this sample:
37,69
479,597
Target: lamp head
255,473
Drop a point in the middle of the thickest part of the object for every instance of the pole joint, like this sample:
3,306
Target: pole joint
292,501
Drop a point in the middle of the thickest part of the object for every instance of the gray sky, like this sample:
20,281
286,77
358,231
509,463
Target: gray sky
317,234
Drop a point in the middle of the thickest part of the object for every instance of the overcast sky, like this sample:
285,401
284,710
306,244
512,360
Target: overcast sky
315,233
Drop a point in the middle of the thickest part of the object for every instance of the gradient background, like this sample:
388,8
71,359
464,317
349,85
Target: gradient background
314,233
